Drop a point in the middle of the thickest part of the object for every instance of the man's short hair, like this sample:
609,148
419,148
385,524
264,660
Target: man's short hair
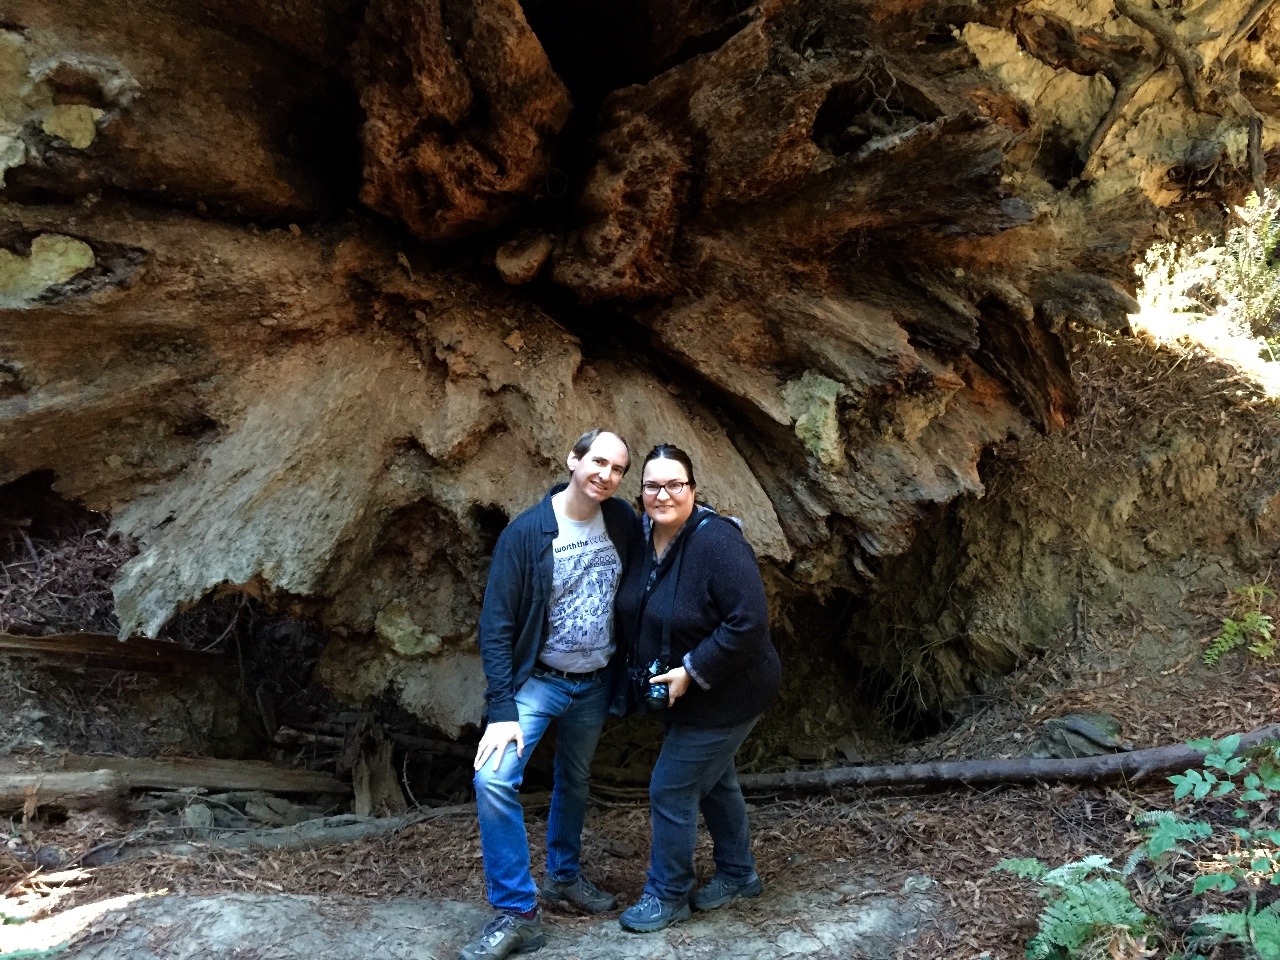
587,439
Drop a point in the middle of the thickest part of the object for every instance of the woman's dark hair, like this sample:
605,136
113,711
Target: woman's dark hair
585,441
669,451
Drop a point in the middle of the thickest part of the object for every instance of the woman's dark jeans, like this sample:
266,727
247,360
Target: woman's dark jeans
695,772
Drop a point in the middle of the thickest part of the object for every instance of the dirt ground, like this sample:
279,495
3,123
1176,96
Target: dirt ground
1139,584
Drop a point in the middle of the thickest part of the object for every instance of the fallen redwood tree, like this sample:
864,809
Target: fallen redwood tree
1131,766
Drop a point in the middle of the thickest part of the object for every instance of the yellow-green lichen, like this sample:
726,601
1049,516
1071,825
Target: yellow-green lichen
812,402
18,92
75,123
396,628
54,259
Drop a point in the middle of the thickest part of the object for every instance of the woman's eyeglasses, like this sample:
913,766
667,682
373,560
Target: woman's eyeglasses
673,487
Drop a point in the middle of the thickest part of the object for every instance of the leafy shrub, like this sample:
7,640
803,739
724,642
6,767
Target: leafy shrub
1259,929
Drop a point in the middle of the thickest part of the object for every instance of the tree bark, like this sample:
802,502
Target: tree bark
29,791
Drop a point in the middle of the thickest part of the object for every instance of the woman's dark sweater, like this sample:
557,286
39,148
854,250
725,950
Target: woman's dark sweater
719,618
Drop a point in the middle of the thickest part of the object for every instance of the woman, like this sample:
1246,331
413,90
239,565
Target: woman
693,600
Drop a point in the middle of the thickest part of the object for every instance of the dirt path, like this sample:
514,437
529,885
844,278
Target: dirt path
848,920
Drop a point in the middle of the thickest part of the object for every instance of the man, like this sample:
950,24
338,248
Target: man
546,640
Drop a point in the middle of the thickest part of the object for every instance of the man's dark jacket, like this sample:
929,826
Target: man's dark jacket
513,619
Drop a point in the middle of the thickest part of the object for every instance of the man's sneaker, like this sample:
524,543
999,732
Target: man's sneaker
504,935
579,893
652,914
720,891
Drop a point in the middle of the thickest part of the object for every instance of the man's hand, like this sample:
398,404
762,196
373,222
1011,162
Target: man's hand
677,682
495,740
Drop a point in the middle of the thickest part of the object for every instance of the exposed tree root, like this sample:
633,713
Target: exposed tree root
1129,84
1188,61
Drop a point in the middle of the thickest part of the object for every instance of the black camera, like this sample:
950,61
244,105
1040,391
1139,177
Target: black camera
652,696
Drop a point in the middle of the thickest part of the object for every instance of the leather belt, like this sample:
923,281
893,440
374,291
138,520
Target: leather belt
565,675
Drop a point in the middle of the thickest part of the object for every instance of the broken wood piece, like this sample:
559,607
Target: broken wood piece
104,650
174,774
292,737
330,830
1115,766
445,748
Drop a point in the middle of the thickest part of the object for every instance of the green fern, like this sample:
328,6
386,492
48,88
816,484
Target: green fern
1083,909
1166,832
1087,911
1254,929
1250,627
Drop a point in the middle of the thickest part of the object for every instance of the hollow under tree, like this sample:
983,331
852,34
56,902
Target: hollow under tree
310,298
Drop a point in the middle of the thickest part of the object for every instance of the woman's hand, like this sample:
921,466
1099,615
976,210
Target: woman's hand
677,682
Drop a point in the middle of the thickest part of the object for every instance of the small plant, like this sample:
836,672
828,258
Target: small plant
1248,627
1166,834
1254,851
1089,908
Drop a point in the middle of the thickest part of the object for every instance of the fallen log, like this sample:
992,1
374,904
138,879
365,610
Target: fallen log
212,774
20,791
1132,766
105,650
80,778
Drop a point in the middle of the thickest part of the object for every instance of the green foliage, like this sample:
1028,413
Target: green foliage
1254,929
1218,756
1235,280
1083,909
1090,906
1254,851
1248,627
1248,275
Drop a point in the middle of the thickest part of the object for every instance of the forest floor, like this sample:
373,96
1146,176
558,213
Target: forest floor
878,873
861,874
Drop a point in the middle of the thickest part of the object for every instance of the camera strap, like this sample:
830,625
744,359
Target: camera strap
676,563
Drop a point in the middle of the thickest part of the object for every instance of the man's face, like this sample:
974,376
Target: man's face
599,472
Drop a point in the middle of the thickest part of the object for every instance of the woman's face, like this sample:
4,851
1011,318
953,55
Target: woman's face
665,507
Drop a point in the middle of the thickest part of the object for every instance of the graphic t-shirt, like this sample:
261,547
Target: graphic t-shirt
585,573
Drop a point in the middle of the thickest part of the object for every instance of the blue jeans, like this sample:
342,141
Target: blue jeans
695,771
580,708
